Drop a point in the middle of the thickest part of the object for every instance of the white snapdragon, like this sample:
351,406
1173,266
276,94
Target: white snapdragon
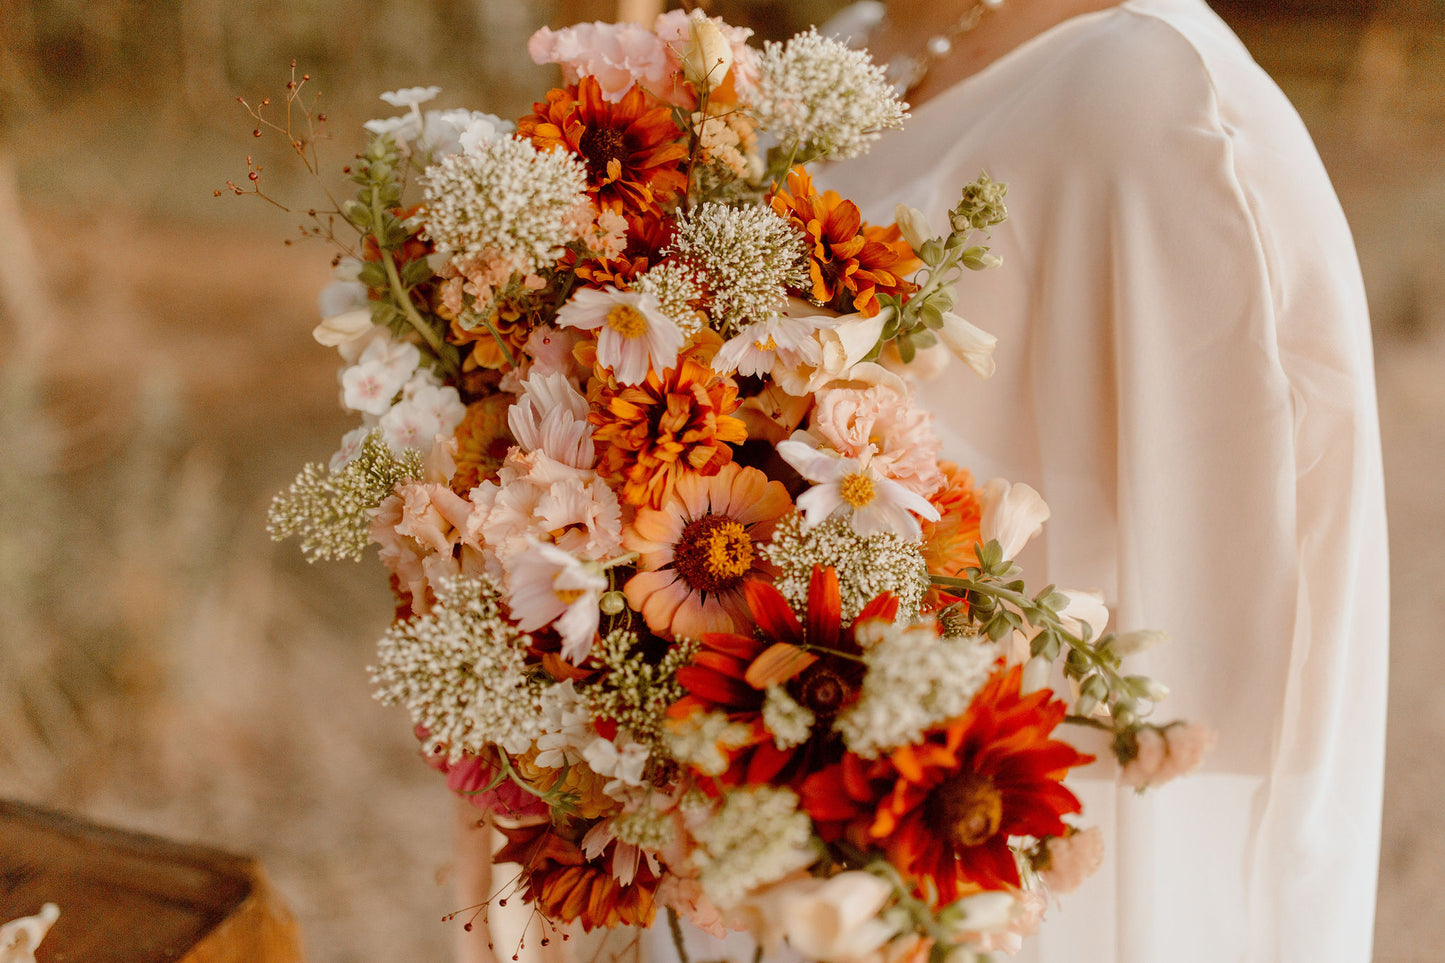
1012,514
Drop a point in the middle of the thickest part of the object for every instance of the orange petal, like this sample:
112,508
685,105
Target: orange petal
777,665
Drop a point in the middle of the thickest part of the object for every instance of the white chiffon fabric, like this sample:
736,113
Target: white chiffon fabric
1185,373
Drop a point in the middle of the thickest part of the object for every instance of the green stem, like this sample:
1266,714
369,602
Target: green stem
401,296
501,343
675,926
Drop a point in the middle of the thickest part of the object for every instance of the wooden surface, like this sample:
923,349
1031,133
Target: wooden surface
129,898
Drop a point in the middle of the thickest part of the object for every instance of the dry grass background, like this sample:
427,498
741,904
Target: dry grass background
164,667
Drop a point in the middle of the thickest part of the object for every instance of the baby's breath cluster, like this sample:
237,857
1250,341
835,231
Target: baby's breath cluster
822,99
677,289
331,510
916,679
634,692
867,565
757,837
506,200
460,671
746,258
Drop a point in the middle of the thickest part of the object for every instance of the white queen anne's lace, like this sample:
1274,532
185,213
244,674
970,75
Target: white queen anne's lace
828,99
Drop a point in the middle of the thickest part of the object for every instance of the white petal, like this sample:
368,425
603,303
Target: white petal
1012,514
971,345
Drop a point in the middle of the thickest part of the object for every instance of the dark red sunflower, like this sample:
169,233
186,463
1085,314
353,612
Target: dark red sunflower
851,263
818,662
944,808
633,151
565,885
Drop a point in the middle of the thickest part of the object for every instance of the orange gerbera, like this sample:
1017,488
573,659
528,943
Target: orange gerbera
945,807
482,442
651,433
698,550
818,662
561,882
851,263
633,152
949,543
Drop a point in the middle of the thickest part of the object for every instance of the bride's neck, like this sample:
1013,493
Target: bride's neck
1001,28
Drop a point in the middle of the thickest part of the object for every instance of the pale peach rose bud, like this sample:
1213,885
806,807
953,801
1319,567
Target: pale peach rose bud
971,345
1073,859
838,920
708,56
341,328
914,225
1012,514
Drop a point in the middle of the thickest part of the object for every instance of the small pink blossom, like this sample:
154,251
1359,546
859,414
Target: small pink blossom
1166,753
1073,859
619,55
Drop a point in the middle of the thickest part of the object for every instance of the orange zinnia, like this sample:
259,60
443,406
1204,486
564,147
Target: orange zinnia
851,263
949,543
561,882
482,442
945,807
633,152
650,433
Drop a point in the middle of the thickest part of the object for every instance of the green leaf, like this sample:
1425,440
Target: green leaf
415,272
373,275
906,349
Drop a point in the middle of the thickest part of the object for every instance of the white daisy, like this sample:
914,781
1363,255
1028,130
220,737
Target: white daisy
762,345
634,330
874,504
550,587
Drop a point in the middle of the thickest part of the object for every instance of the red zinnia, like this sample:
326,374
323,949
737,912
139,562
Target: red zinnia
817,661
944,808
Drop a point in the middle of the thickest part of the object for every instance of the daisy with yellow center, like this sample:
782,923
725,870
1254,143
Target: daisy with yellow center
874,503
698,550
633,333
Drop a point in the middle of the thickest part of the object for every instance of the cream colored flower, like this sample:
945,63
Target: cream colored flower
19,938
838,920
873,503
914,225
708,55
971,345
1012,514
633,331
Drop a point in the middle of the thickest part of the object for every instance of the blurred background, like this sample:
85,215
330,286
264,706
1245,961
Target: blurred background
165,667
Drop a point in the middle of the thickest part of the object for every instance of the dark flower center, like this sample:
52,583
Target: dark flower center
713,554
822,689
968,809
600,146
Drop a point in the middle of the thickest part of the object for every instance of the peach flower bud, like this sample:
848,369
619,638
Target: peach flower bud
342,328
971,345
1073,859
838,920
1132,643
708,56
914,225
1012,514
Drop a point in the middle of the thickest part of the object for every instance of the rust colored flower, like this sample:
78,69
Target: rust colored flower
653,432
699,549
512,323
816,660
944,808
851,263
633,151
482,442
566,886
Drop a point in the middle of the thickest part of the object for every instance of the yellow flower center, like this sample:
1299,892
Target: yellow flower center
567,596
627,321
713,553
972,809
856,489
768,345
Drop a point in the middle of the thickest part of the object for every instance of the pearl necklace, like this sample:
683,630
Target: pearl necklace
907,71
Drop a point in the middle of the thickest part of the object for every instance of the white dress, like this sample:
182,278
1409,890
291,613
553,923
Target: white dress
1185,373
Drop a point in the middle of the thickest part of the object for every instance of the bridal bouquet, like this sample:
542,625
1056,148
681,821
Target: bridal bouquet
686,600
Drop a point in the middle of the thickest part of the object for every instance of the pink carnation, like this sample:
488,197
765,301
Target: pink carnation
851,420
1073,859
470,776
1165,754
619,55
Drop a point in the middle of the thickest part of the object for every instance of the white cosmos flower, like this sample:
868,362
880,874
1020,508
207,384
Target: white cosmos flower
634,331
551,416
410,96
551,587
763,345
1012,514
875,504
